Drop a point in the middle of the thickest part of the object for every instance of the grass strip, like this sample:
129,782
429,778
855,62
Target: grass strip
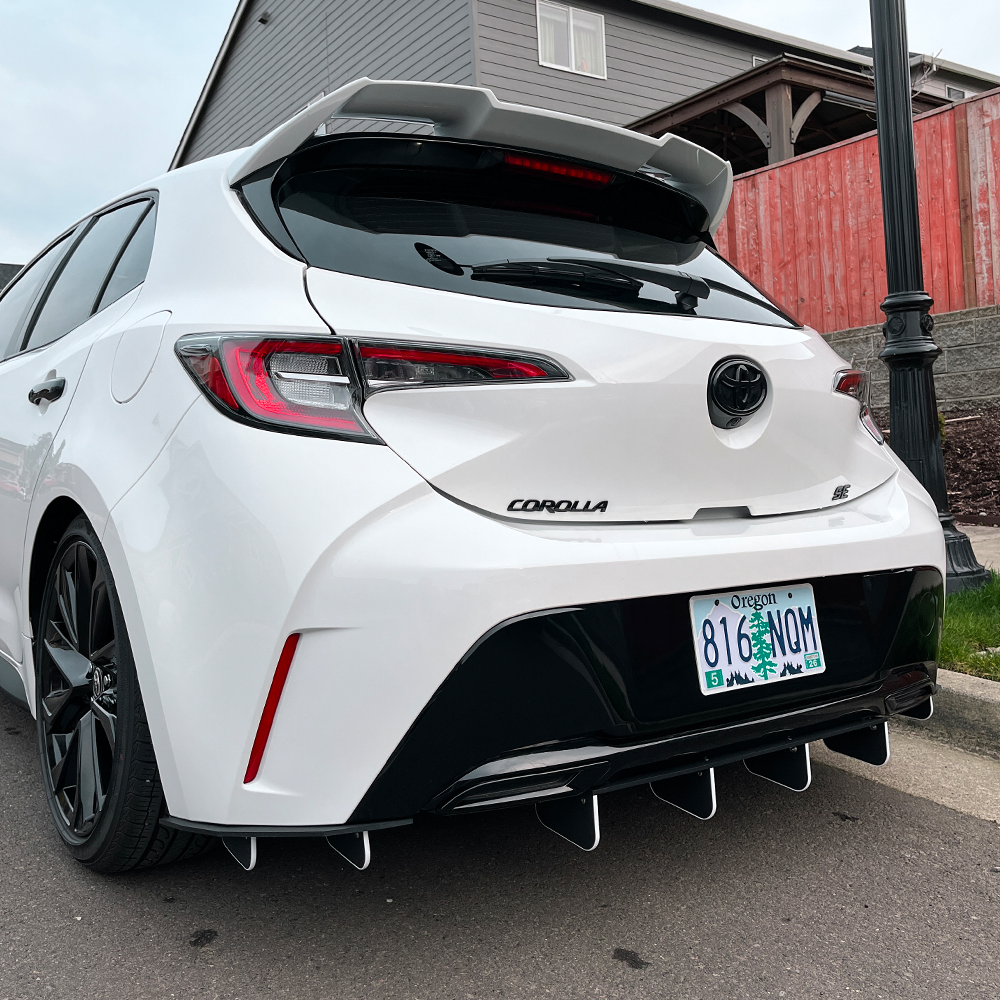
971,626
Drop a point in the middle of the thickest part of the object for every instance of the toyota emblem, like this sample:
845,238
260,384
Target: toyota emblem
736,388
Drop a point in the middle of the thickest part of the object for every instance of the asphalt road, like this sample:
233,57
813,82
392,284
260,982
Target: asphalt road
852,889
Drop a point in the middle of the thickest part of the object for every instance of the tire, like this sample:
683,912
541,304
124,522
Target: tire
98,766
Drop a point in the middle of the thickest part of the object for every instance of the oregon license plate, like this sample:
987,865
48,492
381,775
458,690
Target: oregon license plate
759,636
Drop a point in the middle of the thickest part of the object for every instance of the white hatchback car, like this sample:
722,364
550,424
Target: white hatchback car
354,475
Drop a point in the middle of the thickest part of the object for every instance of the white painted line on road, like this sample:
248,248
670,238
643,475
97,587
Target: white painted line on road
930,770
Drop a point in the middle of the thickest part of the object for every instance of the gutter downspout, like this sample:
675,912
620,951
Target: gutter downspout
206,90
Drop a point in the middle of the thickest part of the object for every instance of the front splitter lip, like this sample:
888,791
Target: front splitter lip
602,768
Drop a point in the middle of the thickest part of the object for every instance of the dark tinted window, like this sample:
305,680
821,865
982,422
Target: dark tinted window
19,296
72,298
508,225
130,271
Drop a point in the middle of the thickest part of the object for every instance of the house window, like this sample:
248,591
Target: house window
954,94
571,39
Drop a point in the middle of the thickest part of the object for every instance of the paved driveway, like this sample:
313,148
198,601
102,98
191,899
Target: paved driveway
852,889
985,542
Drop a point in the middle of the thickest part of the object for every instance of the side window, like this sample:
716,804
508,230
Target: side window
130,271
19,297
73,296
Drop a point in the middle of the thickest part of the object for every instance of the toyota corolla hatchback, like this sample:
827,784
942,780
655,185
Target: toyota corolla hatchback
359,474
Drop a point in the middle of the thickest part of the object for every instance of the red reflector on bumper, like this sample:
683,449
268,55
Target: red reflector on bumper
271,706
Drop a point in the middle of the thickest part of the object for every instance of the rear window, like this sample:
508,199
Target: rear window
502,224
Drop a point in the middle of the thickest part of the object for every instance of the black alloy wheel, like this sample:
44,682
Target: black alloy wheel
78,689
97,757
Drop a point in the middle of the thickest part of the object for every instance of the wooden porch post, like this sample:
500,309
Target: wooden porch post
778,102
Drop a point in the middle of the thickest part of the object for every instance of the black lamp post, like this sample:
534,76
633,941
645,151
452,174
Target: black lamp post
910,351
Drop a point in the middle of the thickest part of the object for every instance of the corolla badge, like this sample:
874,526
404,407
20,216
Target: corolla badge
559,506
736,388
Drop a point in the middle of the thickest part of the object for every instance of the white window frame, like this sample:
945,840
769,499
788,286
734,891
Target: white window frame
572,55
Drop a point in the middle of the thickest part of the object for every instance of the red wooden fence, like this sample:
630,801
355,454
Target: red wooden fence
809,231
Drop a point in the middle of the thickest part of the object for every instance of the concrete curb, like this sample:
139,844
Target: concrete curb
960,685
966,714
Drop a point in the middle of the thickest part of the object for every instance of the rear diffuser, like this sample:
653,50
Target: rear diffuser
870,744
575,819
691,793
244,849
353,848
789,768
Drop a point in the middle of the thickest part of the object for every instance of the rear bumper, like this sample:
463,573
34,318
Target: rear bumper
391,585
606,696
560,771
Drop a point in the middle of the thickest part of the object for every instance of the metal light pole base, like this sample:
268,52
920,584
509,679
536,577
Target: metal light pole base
964,571
909,355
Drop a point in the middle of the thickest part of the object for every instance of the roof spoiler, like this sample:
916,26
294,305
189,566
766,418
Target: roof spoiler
474,113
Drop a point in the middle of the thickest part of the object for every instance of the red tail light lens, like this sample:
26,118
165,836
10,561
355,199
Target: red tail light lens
389,366
857,384
285,384
852,383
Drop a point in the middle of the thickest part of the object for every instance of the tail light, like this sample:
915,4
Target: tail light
302,386
558,168
388,366
858,384
317,385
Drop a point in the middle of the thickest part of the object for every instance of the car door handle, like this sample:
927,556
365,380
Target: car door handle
49,391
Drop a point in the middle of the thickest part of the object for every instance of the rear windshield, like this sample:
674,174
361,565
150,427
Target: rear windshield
503,224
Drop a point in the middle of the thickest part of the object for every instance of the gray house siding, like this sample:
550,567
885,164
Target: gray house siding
310,47
651,61
658,53
7,272
271,71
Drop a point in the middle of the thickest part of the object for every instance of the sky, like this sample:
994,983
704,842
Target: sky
94,96
962,31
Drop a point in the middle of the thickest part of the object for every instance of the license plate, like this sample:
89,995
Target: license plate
753,637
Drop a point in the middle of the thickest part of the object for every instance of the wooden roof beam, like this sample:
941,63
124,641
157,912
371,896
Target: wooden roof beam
745,114
805,73
806,108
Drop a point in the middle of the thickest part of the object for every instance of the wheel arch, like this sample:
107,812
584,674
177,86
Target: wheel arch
60,511
58,516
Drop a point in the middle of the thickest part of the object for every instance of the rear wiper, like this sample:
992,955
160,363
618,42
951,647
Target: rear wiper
746,296
570,276
686,288
612,281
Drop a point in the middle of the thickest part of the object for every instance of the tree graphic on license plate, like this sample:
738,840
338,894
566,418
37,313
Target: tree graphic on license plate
760,636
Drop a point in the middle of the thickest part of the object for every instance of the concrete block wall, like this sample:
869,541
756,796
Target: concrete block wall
966,375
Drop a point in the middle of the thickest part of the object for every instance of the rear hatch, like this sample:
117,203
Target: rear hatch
604,286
